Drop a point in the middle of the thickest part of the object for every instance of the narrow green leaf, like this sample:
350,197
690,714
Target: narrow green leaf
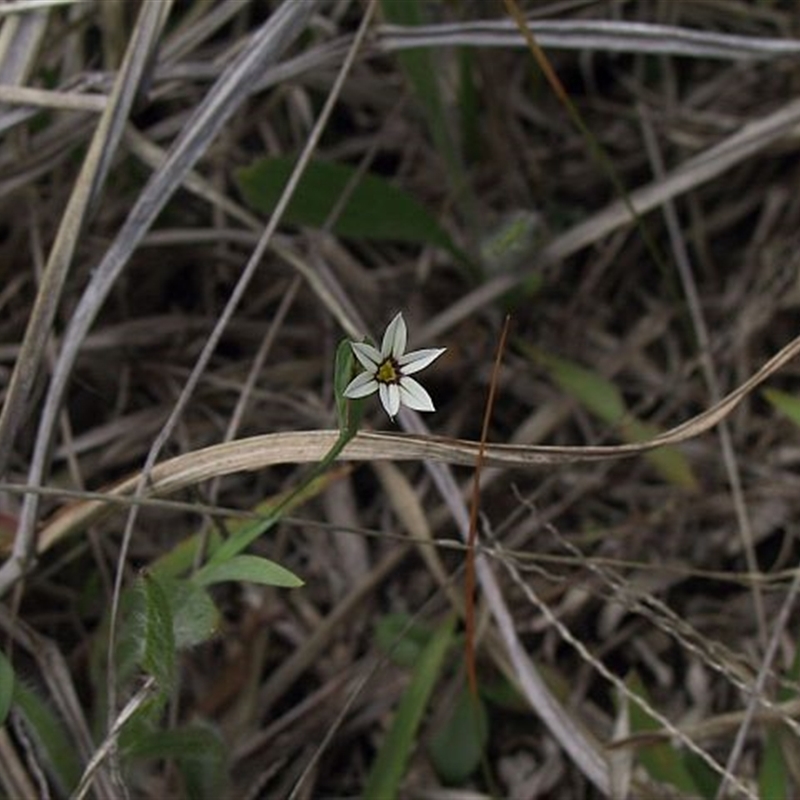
390,763
662,762
6,686
182,557
786,403
252,569
243,538
54,746
422,72
669,461
349,412
243,535
342,375
592,390
457,749
374,209
774,777
159,636
469,105
603,399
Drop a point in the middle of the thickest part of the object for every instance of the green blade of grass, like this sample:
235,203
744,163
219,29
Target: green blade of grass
774,777
244,534
421,72
786,403
662,761
54,746
392,759
6,687
603,399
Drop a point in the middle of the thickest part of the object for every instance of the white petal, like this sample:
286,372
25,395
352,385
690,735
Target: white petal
394,340
362,385
419,359
369,357
414,396
390,398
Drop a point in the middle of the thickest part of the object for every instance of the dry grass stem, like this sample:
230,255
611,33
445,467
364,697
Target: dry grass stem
169,319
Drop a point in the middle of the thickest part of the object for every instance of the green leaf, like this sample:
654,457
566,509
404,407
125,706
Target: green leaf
469,105
348,412
183,555
342,375
252,569
390,763
592,390
54,746
662,761
400,639
199,751
195,617
129,644
603,399
374,209
6,686
786,403
669,461
422,70
457,749
774,777
243,535
159,636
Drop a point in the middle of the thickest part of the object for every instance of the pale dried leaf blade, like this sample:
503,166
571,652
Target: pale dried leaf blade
90,179
308,446
267,44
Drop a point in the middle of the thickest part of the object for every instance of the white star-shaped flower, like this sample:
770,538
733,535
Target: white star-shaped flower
387,371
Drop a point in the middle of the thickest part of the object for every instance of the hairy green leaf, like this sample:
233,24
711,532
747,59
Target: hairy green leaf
159,636
195,617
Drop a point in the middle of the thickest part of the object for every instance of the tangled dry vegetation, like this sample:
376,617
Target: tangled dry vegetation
166,364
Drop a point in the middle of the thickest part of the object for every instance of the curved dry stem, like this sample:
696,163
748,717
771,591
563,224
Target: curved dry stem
297,447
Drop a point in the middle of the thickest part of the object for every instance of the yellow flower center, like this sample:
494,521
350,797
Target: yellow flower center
388,372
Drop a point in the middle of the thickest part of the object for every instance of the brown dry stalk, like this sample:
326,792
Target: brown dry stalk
469,573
